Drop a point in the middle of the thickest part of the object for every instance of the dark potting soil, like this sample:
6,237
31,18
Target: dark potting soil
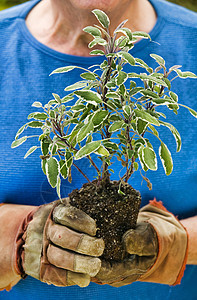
114,213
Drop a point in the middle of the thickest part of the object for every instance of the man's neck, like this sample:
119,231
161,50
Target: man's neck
58,25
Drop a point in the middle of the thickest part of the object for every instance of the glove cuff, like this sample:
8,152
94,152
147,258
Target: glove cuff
34,240
173,245
13,220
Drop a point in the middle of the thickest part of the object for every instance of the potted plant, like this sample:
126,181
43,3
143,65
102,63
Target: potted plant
111,119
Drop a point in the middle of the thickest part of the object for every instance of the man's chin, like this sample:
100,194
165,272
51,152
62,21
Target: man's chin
105,5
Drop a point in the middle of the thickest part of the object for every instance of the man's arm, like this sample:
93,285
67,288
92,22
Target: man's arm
191,226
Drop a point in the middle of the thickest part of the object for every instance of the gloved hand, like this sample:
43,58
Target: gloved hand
157,250
54,243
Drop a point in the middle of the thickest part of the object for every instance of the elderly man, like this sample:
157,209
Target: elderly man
36,38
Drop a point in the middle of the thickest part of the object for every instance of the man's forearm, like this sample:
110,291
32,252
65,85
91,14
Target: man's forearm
191,225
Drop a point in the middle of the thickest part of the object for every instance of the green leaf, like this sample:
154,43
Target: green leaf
114,117
135,90
35,124
37,104
132,84
52,171
78,107
102,151
149,158
141,125
57,98
88,76
68,158
89,139
45,146
121,42
173,107
89,96
58,187
103,31
152,128
116,126
125,31
88,149
20,131
173,96
99,117
101,17
126,56
161,114
175,133
141,34
162,101
121,78
30,151
130,153
149,93
143,65
63,70
37,116
174,67
85,131
185,74
140,149
193,112
53,148
43,165
127,110
51,114
167,81
113,95
166,158
136,166
145,116
18,142
97,52
122,90
92,30
67,99
148,77
75,86
110,145
158,59
98,41
63,168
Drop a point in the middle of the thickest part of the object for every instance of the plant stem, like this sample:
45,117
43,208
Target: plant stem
81,172
94,165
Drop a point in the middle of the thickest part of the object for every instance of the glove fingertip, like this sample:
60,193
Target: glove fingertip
74,218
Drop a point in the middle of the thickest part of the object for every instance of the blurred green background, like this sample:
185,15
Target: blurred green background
191,4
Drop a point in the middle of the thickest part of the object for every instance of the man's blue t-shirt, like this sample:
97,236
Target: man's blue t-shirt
25,65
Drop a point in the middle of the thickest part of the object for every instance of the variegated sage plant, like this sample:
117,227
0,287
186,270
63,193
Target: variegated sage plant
117,113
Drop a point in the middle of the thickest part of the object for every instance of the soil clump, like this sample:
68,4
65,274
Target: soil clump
114,213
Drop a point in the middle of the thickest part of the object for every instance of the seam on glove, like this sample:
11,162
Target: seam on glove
181,273
20,241
159,205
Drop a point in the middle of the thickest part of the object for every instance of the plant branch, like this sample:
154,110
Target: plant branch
92,162
81,172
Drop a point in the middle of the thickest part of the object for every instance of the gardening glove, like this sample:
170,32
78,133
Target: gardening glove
157,250
54,243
